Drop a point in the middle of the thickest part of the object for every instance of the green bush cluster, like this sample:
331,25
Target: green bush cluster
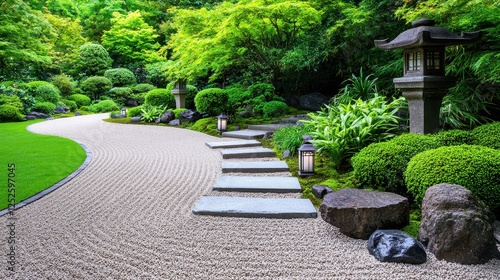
120,94
10,113
96,86
477,168
290,138
70,104
487,135
142,88
12,100
27,100
273,109
120,77
134,111
455,137
94,59
212,101
160,97
80,99
44,107
381,165
47,93
178,112
63,83
104,106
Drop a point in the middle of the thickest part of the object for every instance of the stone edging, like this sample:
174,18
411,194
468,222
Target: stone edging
41,194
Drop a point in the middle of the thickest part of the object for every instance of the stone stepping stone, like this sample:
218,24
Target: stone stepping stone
255,167
258,184
233,144
248,153
245,134
247,207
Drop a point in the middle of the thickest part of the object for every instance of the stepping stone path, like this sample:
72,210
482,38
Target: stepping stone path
253,207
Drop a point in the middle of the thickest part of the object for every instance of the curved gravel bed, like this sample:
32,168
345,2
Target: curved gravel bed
128,216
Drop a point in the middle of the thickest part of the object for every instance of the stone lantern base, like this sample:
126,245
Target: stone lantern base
424,95
180,97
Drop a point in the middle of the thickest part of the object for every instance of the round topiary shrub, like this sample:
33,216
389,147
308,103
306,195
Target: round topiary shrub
9,113
381,165
487,135
120,77
454,137
63,83
105,106
96,86
143,88
94,59
274,109
47,93
476,168
13,100
70,104
80,99
44,107
120,94
160,97
211,101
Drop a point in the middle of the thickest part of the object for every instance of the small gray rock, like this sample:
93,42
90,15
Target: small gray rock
118,116
60,110
286,154
166,117
78,114
268,134
135,119
191,115
396,246
30,118
38,115
175,122
320,191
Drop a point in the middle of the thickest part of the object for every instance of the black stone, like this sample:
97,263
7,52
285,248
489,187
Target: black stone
268,134
166,117
38,115
396,246
60,110
131,103
77,114
191,115
118,116
175,122
29,118
320,191
313,101
135,119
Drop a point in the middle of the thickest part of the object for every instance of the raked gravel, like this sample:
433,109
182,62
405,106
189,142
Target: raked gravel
128,216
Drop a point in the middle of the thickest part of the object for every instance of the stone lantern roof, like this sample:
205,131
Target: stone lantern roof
424,33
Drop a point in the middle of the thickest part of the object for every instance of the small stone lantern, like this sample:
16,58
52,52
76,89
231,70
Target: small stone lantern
424,83
306,157
180,91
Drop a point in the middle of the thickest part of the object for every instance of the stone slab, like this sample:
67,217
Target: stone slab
244,134
248,207
258,184
233,144
255,167
248,153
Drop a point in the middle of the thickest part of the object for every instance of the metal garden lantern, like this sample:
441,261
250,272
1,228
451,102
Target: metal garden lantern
424,83
306,157
222,123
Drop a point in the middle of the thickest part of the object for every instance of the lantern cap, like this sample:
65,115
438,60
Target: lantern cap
222,116
424,33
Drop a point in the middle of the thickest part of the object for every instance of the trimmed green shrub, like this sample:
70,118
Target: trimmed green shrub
120,77
454,137
63,83
94,59
212,101
32,86
142,88
134,111
487,135
160,97
96,86
192,92
44,107
120,94
47,93
12,100
104,106
70,104
381,165
10,113
290,138
80,99
27,100
476,168
274,109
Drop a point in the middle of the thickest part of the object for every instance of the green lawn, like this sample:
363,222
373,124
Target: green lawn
40,160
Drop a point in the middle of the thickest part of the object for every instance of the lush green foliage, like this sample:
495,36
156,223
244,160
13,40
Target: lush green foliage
47,93
134,111
212,101
455,137
94,59
142,88
178,112
274,109
120,94
160,97
10,113
120,77
38,158
488,135
381,165
63,83
104,106
80,99
70,104
290,138
45,107
192,92
150,113
357,87
12,100
96,86
476,168
26,99
342,131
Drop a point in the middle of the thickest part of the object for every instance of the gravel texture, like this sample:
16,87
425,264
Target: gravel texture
128,216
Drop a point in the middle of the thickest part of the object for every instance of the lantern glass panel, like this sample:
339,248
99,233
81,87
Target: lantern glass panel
413,61
307,162
433,59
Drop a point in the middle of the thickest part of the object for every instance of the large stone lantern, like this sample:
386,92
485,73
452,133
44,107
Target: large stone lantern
424,83
180,91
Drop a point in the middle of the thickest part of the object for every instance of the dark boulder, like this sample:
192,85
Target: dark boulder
166,117
313,101
131,102
190,115
396,246
30,118
456,226
38,115
358,213
60,110
118,116
320,191
135,119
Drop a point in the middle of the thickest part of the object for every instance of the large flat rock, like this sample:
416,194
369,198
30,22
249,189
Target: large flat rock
254,167
277,208
248,153
244,134
233,144
257,184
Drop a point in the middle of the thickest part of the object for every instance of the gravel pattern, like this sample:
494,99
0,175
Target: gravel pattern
128,216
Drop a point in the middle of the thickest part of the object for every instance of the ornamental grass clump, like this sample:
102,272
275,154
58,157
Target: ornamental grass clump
290,138
476,168
341,131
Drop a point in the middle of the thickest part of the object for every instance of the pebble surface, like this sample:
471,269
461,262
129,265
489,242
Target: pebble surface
128,216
